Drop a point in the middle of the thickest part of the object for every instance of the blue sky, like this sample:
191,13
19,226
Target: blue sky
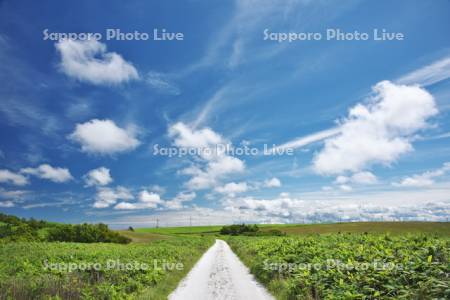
367,121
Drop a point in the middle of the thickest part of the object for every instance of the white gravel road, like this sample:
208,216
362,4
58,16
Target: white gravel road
219,275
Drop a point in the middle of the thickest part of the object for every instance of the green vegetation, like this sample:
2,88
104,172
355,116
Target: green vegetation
40,270
396,228
44,260
239,229
193,230
248,230
142,237
349,266
16,229
85,233
440,228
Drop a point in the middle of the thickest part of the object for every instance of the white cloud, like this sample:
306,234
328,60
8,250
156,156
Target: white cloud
186,137
162,84
428,75
358,178
146,200
89,61
126,206
106,196
153,200
309,139
150,198
104,137
312,207
378,131
364,178
341,179
46,171
212,163
7,203
157,189
345,187
424,179
338,205
12,178
177,202
232,188
273,182
99,176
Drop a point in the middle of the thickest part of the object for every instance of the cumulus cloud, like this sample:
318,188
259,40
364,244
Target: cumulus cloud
424,179
151,200
273,182
186,137
378,131
48,172
146,200
345,188
7,176
99,176
180,198
104,137
106,196
89,61
212,163
338,206
357,178
232,188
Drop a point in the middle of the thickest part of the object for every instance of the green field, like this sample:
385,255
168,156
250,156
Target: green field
143,237
182,230
424,247
349,266
25,271
441,228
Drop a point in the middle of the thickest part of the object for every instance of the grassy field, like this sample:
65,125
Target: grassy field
182,230
23,276
349,266
441,228
25,271
143,237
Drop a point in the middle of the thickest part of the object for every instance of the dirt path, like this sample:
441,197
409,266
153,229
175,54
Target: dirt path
219,275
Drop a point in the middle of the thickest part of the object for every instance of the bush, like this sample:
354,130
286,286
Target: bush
85,233
238,229
16,229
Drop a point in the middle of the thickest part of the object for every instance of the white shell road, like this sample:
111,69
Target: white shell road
220,275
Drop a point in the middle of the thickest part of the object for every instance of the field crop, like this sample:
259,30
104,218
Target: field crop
40,270
349,266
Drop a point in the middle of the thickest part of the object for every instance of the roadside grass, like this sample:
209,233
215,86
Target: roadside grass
23,274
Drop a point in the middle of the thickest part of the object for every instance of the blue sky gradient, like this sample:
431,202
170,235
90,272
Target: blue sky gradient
368,121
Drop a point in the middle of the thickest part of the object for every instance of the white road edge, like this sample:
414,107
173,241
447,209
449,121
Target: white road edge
219,275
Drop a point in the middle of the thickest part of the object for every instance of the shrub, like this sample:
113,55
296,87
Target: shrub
238,229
